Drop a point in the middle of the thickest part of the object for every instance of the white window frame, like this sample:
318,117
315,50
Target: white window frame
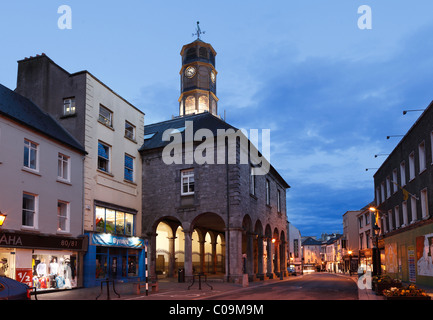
424,204
422,157
106,159
65,218
69,106
394,180
186,177
129,134
403,173
127,168
411,166
30,146
34,212
413,209
397,217
388,187
252,181
405,217
62,161
106,119
268,192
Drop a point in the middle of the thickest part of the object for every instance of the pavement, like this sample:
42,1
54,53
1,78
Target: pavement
171,289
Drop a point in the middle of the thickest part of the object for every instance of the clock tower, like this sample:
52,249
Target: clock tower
198,78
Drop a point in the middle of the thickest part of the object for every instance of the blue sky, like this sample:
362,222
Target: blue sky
329,91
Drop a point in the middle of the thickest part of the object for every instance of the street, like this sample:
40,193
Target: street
315,286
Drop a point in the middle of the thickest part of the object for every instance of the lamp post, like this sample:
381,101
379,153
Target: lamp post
375,251
350,262
2,218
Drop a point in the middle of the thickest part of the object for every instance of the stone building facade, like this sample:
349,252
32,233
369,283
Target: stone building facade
219,217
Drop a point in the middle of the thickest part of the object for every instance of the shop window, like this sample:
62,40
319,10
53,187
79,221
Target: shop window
114,222
54,270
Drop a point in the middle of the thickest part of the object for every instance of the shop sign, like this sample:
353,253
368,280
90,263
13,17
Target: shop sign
106,239
23,240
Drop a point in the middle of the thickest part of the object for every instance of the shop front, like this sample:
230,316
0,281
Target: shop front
113,257
42,262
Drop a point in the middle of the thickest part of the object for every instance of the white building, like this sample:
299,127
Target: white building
41,170
111,131
294,248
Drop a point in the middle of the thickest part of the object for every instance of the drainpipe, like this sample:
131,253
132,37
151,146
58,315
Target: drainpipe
228,218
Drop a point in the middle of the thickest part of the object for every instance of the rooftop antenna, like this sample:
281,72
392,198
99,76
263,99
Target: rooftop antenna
198,31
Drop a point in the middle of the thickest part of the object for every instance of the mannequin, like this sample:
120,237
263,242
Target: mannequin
41,269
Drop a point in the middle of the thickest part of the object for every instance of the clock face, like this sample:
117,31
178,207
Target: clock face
190,72
212,76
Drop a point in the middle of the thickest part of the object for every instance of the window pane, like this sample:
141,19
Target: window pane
62,215
129,223
100,219
105,116
129,168
28,210
110,223
120,222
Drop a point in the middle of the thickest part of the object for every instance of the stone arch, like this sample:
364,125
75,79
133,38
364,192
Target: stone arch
162,247
208,228
258,248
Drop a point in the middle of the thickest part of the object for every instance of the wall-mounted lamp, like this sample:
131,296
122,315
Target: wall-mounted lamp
2,218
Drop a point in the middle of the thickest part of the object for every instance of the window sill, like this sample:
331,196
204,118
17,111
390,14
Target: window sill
32,171
63,233
105,125
64,181
30,229
105,172
253,196
129,182
187,194
423,170
72,115
130,139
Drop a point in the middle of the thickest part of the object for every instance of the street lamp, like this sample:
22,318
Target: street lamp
350,261
2,218
375,250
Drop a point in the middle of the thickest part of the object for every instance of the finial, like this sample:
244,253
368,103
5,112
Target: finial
199,32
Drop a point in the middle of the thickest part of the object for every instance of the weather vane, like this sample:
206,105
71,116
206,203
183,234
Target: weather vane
199,32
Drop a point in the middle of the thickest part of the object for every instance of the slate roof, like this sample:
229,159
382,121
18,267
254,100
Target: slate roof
203,120
311,242
24,111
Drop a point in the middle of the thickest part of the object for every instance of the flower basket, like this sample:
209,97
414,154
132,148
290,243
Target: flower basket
410,292
385,282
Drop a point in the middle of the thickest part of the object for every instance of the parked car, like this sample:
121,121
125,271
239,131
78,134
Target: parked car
291,271
13,290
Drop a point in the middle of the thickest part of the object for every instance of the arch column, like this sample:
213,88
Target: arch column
234,255
269,270
250,254
151,259
188,255
171,257
214,256
260,257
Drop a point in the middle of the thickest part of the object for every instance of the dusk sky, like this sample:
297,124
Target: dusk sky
329,91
